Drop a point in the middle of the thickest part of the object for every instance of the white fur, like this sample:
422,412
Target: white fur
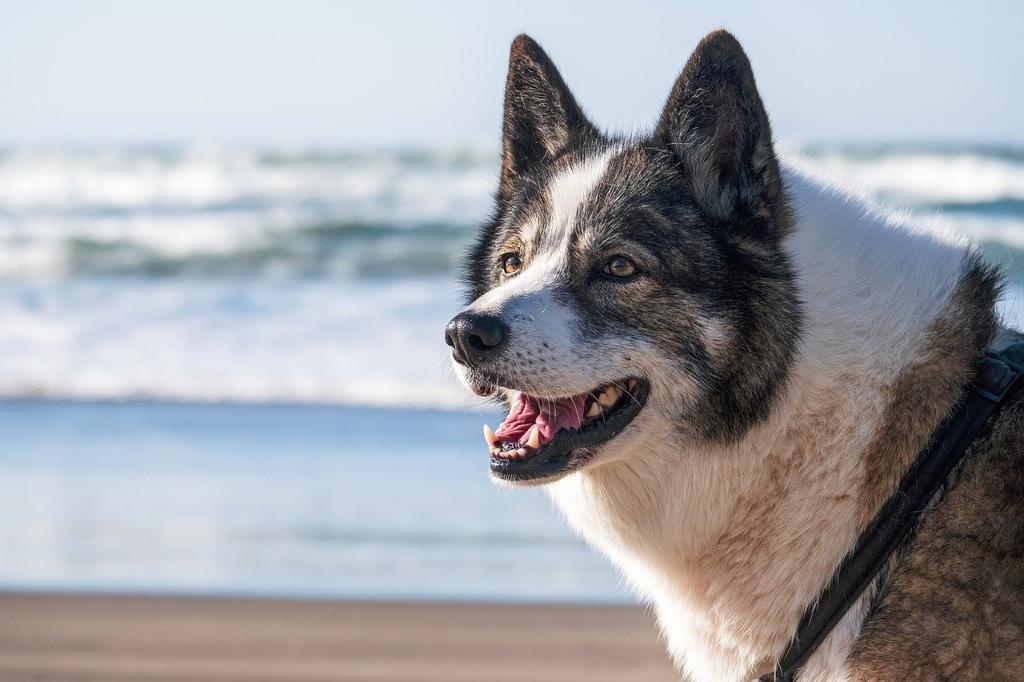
542,328
666,511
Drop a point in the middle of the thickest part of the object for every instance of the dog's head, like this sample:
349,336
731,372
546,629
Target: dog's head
628,287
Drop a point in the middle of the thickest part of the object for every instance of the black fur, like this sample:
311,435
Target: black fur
701,199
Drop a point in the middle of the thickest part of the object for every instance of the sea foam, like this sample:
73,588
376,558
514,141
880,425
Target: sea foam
318,275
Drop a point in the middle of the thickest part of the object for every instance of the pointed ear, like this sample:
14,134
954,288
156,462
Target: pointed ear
717,127
541,116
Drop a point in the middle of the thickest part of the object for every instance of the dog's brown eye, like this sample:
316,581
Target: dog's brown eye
620,266
511,263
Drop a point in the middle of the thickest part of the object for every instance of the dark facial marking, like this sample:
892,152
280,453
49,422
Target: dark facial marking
684,204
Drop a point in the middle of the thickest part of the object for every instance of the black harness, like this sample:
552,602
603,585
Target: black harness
998,376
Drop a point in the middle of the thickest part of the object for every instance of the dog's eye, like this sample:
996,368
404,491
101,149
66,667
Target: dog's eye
511,263
620,266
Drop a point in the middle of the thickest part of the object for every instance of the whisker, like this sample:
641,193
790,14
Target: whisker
627,392
579,414
591,394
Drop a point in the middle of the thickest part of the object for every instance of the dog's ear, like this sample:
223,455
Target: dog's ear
541,116
717,127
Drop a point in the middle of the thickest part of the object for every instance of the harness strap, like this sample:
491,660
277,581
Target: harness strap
998,376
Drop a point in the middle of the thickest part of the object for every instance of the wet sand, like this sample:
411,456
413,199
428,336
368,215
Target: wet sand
158,639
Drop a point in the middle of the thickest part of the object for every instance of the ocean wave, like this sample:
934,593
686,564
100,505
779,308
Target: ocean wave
249,213
389,184
867,151
924,176
299,341
341,250
321,275
995,208
205,246
238,213
377,344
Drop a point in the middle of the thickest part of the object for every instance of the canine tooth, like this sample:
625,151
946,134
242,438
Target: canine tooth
489,435
609,397
521,452
632,384
595,410
534,441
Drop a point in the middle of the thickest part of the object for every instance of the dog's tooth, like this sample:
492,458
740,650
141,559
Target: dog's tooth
534,441
609,396
489,435
595,409
632,384
521,452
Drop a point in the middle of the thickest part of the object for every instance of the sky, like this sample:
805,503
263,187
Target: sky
379,73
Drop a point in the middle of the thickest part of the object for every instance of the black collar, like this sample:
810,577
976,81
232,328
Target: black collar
998,374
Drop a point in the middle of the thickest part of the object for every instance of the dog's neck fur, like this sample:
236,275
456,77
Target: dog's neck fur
730,542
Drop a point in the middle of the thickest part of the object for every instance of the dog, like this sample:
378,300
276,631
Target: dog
720,367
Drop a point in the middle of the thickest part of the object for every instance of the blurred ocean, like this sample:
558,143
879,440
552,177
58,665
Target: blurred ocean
224,368
313,276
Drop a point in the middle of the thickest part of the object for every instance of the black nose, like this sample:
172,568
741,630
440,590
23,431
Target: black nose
474,337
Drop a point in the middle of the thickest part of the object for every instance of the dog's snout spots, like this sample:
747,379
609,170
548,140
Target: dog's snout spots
522,318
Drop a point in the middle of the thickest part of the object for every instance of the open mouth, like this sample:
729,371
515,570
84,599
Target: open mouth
546,437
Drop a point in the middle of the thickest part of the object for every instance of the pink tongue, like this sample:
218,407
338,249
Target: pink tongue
549,416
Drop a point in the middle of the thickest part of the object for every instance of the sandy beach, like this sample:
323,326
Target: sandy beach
114,638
